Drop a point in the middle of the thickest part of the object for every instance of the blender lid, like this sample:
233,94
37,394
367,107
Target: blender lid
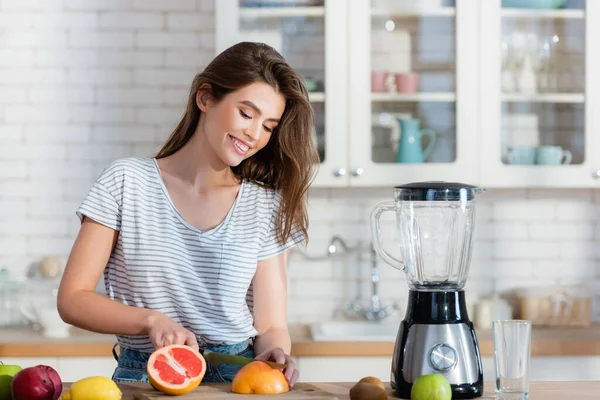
437,191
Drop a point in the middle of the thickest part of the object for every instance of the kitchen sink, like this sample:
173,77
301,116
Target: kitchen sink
354,331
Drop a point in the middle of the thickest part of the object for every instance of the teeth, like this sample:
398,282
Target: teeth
240,145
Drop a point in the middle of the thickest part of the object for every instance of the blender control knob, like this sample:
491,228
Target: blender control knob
442,357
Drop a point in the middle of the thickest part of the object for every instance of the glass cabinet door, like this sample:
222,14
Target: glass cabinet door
309,34
418,64
535,53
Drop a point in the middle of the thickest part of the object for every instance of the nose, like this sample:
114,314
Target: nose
253,131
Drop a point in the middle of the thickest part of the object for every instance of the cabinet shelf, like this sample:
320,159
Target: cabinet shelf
281,12
544,97
434,12
316,97
460,93
550,14
413,97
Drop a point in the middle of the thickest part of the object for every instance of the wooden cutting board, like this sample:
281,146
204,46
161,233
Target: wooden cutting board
585,390
218,391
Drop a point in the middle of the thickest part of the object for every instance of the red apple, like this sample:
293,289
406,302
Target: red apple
55,380
36,383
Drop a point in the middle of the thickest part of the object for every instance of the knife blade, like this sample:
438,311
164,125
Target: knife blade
216,359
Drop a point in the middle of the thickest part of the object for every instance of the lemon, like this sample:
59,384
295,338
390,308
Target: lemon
93,388
431,387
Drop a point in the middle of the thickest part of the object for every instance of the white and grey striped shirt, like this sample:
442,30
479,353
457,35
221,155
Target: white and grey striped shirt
200,279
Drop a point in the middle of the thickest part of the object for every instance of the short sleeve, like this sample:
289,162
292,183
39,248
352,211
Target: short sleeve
103,202
271,246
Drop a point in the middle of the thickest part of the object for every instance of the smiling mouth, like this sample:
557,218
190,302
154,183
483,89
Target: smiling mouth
239,146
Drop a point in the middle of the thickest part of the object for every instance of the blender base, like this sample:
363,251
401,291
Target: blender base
436,336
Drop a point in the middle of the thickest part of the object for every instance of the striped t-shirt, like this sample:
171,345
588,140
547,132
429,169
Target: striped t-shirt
200,279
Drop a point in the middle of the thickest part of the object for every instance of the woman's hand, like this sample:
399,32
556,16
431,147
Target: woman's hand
163,331
277,355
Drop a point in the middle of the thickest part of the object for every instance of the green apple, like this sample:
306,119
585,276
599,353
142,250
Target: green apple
431,387
7,373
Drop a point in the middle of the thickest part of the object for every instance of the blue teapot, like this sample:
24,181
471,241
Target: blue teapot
410,148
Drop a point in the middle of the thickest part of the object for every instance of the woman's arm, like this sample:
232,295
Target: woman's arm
270,305
270,314
79,304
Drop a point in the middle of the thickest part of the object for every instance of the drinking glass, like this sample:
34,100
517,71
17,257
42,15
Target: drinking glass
512,355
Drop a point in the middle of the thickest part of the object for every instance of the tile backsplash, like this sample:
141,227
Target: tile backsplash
522,238
83,82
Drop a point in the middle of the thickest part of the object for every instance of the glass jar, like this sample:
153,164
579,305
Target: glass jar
10,314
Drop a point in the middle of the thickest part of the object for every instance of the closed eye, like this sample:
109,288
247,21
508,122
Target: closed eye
246,116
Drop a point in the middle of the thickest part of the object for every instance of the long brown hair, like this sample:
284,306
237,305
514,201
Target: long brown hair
287,163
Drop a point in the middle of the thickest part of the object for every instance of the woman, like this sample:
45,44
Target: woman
192,242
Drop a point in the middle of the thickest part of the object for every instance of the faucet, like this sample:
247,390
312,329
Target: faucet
337,246
375,312
332,249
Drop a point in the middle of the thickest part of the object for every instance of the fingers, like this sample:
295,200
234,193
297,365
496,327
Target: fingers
165,332
290,370
183,337
180,337
278,356
295,376
291,373
157,341
263,356
168,338
190,340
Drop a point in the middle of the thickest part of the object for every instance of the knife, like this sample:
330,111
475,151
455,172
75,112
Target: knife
216,359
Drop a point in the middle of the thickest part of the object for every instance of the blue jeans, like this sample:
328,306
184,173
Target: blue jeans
131,366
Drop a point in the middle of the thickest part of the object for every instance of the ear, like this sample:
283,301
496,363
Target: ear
202,97
202,100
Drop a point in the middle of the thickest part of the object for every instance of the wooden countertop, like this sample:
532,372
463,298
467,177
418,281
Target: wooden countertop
545,342
340,390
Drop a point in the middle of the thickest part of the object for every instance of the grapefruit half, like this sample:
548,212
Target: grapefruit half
176,369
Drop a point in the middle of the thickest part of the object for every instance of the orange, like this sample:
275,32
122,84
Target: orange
176,369
260,378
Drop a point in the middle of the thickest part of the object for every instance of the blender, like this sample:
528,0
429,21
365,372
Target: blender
435,222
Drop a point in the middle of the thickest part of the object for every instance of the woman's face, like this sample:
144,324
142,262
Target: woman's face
241,124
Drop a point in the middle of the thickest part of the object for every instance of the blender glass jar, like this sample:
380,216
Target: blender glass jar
434,223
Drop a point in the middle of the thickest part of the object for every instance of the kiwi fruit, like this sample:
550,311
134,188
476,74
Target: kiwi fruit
367,391
373,380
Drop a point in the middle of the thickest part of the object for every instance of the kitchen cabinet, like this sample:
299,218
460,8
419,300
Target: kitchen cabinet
335,368
537,113
501,94
411,112
70,369
345,45
311,35
342,369
339,369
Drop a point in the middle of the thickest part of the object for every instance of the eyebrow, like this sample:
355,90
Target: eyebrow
255,108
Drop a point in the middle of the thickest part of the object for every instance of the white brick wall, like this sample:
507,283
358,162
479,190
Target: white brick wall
522,238
83,82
